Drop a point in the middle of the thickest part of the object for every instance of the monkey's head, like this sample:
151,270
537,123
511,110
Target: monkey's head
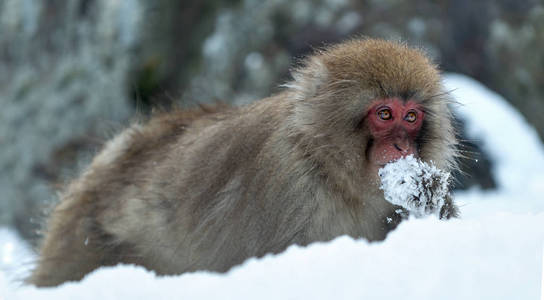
364,103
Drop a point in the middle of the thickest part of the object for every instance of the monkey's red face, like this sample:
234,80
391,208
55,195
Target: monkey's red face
394,126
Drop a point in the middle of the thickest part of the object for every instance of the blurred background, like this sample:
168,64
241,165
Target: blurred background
73,73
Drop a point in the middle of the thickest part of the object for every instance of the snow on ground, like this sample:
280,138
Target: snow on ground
493,252
15,260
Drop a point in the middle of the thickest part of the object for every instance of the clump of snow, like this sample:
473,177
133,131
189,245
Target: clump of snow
419,187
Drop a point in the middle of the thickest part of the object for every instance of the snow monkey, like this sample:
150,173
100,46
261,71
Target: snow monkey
206,189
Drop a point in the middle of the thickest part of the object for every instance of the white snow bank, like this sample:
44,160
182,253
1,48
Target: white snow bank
512,143
15,256
497,257
493,252
419,187
516,151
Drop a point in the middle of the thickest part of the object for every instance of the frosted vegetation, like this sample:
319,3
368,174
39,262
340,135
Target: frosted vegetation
494,251
59,83
417,186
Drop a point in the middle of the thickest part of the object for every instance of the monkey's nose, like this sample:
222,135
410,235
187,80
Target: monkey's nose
400,149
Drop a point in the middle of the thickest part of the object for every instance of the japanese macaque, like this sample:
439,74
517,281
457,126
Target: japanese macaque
207,189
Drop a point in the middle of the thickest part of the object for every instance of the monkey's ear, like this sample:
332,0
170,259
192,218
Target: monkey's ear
308,79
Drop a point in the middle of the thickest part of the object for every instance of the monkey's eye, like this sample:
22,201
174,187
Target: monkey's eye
385,114
411,116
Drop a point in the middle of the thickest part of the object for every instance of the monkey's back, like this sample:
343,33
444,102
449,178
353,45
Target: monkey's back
173,193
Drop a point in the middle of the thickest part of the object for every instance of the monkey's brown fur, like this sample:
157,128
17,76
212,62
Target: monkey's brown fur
206,190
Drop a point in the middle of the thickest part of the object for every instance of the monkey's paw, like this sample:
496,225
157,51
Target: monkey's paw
417,186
